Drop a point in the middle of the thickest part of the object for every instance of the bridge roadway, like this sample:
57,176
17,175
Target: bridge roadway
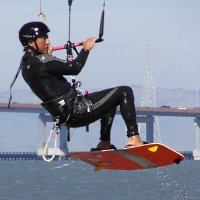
147,111
144,115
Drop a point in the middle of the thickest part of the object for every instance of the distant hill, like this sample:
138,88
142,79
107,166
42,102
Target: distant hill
19,131
163,96
169,97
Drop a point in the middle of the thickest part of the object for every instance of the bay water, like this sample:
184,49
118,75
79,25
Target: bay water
76,180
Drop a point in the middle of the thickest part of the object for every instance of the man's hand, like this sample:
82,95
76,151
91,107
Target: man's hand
89,43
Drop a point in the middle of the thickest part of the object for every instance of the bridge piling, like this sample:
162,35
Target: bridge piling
149,129
42,132
196,151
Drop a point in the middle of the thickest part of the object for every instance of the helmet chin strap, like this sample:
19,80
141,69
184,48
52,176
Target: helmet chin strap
37,51
34,50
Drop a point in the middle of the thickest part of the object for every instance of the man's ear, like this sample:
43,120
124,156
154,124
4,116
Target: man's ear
31,43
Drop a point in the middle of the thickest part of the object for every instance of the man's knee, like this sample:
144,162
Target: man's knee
126,91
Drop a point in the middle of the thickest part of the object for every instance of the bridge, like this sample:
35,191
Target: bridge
144,115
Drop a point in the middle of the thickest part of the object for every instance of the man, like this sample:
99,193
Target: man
44,74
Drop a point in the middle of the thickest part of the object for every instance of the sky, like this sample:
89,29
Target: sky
171,28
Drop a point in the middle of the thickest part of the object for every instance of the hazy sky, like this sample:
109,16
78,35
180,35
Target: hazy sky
172,27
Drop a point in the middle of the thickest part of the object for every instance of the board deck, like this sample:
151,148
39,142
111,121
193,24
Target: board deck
147,156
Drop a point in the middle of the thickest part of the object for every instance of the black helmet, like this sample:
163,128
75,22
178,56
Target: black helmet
31,31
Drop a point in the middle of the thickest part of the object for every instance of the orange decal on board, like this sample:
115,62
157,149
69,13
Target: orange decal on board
153,149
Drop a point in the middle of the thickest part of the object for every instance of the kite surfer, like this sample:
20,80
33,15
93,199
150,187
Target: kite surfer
44,73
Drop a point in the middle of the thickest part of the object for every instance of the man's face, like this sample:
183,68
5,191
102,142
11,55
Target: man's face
42,44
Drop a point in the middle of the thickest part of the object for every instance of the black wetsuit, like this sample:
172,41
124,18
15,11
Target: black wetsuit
44,74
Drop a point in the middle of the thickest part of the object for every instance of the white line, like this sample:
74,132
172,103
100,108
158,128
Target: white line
137,159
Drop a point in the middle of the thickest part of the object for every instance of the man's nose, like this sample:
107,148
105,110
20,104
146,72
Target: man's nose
47,41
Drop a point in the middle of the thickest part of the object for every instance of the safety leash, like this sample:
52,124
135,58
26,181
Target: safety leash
56,134
13,82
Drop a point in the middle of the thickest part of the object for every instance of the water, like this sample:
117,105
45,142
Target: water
75,180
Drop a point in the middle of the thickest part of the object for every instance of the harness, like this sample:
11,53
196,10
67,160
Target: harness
73,104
